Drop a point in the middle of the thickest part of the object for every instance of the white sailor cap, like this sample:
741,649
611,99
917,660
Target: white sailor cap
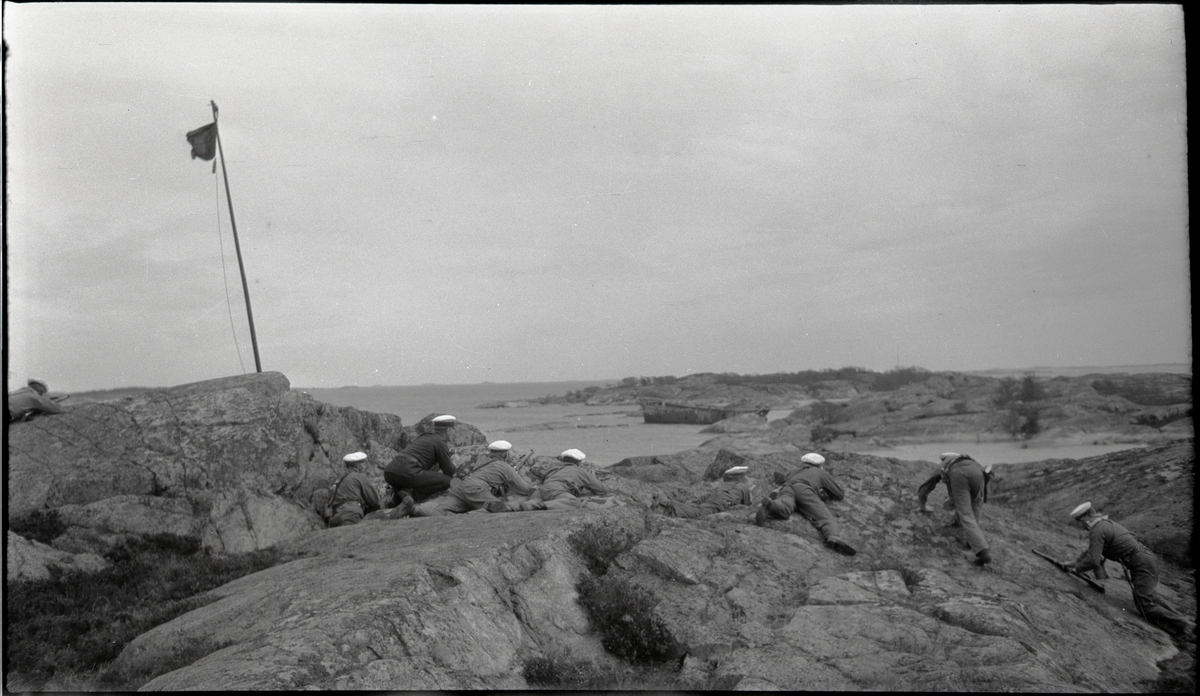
987,469
444,421
355,457
737,470
813,458
573,454
500,446
948,456
1081,510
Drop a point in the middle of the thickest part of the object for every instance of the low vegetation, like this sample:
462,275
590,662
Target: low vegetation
599,545
76,623
40,525
622,613
1138,392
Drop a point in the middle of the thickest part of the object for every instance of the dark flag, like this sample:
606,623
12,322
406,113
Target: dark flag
204,141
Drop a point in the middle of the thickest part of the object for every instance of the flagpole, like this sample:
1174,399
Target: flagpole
236,246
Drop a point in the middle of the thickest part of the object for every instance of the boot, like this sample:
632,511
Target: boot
497,506
840,546
404,509
760,517
531,505
983,558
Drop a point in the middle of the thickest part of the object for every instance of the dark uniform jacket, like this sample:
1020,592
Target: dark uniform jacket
577,480
730,493
501,478
816,478
356,488
1107,539
426,453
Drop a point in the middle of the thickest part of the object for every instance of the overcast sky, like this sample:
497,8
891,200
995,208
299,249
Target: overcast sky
456,194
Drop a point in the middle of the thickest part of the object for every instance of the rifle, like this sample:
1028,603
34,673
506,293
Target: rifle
1063,567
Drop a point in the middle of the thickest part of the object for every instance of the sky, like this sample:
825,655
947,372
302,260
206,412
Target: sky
466,194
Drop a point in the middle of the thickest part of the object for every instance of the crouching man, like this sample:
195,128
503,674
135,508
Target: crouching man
1107,539
490,483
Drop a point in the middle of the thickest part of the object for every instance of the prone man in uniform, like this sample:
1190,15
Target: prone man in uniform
966,484
27,402
423,468
734,489
561,488
1107,539
805,490
355,495
489,483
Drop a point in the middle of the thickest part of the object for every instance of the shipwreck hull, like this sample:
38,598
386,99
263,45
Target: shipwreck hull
677,413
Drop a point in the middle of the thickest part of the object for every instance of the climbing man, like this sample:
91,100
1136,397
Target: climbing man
805,490
424,468
561,488
966,484
354,495
1107,539
490,483
734,489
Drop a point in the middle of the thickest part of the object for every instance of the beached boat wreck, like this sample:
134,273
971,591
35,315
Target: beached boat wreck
662,411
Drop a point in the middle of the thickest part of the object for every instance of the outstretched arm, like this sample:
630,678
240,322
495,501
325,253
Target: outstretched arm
927,488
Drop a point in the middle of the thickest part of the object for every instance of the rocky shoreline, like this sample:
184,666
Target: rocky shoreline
469,601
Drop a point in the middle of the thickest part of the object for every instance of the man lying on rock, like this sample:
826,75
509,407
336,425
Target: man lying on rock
490,482
354,495
561,488
734,489
805,490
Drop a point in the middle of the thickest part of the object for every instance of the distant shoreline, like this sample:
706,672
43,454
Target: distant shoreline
1042,371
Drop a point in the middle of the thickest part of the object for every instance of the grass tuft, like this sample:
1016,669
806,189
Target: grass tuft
623,614
43,526
79,622
599,545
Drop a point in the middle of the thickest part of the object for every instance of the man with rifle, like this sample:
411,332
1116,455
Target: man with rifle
1107,539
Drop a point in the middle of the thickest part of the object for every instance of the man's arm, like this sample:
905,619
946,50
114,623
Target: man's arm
831,487
516,483
593,484
1093,556
370,496
442,457
927,488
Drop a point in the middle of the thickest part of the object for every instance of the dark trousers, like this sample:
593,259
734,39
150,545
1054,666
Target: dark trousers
422,485
806,501
1142,567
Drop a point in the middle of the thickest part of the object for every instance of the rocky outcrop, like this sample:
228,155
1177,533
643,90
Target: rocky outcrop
466,601
31,560
462,602
231,461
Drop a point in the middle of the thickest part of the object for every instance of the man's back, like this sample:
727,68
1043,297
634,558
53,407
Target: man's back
500,474
816,478
576,478
25,401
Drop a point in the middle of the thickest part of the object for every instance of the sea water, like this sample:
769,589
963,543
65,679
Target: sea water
608,434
